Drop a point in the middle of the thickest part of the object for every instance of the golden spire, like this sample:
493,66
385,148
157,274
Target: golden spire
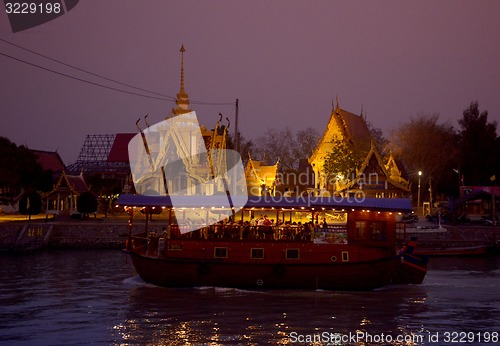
182,101
182,69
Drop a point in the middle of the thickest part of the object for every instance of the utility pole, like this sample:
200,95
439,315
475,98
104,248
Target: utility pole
430,195
418,199
236,134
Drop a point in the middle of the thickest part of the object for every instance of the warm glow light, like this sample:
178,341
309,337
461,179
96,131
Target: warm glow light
419,172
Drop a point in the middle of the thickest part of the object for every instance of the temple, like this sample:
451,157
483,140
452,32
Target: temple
375,177
260,178
183,161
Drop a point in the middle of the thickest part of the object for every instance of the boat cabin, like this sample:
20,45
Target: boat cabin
320,220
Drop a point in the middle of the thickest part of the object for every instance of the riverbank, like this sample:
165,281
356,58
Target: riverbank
111,233
99,233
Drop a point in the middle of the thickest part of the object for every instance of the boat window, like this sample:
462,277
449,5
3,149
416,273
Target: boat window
220,252
292,253
257,253
361,230
378,231
345,256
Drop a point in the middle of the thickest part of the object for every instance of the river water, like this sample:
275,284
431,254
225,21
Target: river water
95,297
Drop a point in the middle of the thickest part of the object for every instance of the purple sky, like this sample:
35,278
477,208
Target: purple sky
284,60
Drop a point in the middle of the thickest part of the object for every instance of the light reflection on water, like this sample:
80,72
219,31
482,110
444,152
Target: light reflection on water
84,297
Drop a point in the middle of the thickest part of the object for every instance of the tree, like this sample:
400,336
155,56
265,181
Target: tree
18,167
305,142
479,146
30,204
377,136
424,144
342,161
86,203
246,146
285,146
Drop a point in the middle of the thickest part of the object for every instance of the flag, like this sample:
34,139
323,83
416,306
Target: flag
493,177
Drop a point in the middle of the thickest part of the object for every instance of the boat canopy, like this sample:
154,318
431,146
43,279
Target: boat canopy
221,201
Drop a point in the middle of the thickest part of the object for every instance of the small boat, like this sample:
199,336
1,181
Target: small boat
413,267
477,250
354,248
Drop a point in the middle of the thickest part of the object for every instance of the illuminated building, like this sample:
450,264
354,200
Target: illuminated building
375,177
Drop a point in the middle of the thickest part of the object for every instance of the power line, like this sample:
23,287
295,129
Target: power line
82,70
163,96
83,80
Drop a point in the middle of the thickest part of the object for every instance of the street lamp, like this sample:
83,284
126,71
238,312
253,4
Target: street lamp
418,198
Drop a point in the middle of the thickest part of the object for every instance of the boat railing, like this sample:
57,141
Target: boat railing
236,232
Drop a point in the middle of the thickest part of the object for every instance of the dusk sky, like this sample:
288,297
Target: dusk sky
284,60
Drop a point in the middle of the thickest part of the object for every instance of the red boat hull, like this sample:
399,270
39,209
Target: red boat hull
318,267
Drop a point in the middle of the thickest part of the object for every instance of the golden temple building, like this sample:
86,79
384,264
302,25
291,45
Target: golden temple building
375,177
260,178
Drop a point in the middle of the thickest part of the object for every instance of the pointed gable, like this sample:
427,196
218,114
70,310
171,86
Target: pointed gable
373,164
373,174
74,184
345,126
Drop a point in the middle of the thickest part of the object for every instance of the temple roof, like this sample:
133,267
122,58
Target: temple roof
119,149
343,125
49,160
261,173
74,184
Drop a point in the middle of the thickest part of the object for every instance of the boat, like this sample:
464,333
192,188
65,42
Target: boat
331,243
440,251
413,267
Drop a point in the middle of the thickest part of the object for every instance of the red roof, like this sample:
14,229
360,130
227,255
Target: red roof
119,149
49,160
